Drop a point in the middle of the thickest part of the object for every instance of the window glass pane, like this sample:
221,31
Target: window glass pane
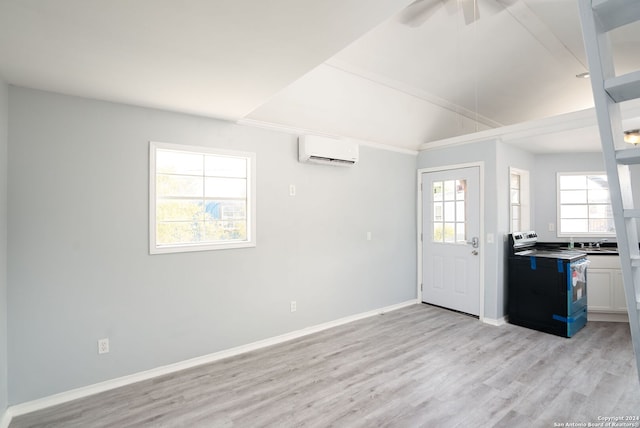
460,211
437,191
178,186
574,226
225,187
461,189
449,232
597,182
179,209
226,230
573,197
515,196
449,190
225,166
233,210
574,211
573,182
449,211
225,209
515,213
598,196
438,232
600,211
461,235
437,211
601,225
173,162
515,225
515,181
179,232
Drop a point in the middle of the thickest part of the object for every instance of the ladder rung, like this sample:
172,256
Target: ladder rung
625,87
635,213
628,156
616,13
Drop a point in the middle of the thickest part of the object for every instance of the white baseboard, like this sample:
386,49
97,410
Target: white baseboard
74,394
5,419
607,316
495,321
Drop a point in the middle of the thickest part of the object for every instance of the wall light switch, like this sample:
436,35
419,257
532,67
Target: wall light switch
490,238
368,236
292,190
552,227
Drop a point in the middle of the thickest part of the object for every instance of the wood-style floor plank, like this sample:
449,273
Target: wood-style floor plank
420,366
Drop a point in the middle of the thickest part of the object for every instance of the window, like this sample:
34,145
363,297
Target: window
516,207
200,198
584,207
519,200
449,211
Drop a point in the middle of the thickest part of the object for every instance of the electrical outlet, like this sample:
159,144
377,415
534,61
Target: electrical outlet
552,227
294,306
103,346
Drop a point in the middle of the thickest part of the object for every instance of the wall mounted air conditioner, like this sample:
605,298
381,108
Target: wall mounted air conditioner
328,151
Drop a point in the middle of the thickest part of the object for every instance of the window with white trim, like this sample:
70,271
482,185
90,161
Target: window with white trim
584,206
200,198
519,206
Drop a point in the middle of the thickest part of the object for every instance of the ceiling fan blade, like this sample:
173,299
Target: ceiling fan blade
418,12
470,11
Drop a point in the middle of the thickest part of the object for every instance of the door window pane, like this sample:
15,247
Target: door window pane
449,211
438,191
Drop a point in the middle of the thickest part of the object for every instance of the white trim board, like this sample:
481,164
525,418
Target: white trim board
74,394
548,125
497,322
607,316
5,419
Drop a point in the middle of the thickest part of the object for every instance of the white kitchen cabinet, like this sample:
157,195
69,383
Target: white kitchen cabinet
605,289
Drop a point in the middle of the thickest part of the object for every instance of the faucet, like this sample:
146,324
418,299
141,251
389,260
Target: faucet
597,243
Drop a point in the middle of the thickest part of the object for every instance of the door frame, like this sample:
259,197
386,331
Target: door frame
483,244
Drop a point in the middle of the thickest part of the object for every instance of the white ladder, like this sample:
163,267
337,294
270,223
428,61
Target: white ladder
599,17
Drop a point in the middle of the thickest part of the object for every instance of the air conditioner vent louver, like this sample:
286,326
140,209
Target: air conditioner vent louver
330,160
328,151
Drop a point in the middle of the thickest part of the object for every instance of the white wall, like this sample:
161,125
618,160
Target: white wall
508,156
4,102
79,267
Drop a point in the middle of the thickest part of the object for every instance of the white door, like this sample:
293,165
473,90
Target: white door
451,239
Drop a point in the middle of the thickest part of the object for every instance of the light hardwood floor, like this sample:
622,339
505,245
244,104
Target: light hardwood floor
420,366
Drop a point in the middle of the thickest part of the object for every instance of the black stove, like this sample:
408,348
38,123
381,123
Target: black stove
547,285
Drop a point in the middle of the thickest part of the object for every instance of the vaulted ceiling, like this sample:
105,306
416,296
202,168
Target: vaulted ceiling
369,70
